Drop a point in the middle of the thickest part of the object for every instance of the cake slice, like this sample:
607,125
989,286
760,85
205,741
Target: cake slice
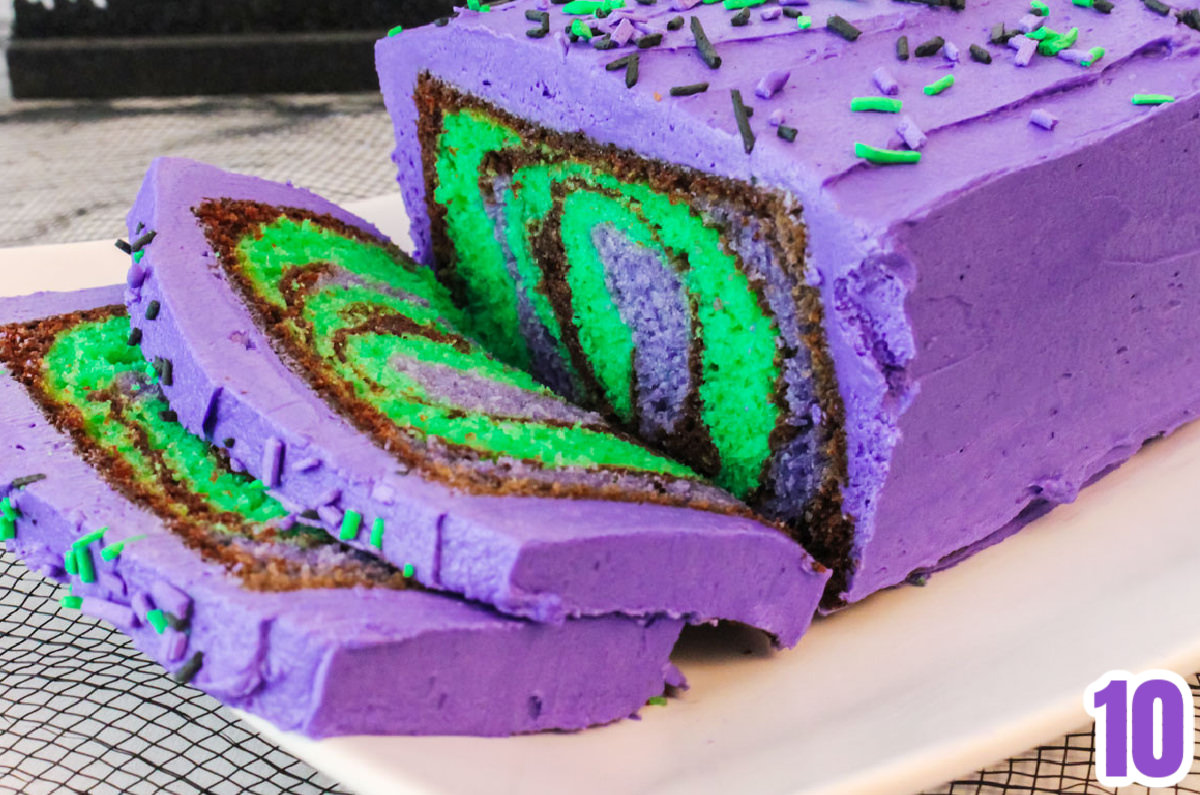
898,275
155,533
330,366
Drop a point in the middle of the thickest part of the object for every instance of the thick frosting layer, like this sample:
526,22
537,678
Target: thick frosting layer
545,558
863,220
323,661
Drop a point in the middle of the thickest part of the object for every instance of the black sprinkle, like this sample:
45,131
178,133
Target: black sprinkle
688,90
749,111
620,63
441,22
675,23
124,246
979,54
187,672
152,310
741,19
928,48
919,579
560,2
842,28
1103,6
902,48
135,336
533,15
166,371
631,72
646,2
1158,7
143,241
605,42
653,40
708,53
743,120
25,480
786,133
228,442
175,622
958,5
1191,18
792,13
167,415
140,227
1000,34
537,33
603,13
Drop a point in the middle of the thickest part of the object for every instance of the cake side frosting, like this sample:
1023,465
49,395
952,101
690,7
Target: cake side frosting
155,534
548,558
855,214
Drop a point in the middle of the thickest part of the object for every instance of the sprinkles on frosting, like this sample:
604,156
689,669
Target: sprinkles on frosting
742,116
708,53
875,105
886,157
1151,99
938,86
842,27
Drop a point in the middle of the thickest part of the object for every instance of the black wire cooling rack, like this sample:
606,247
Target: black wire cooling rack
82,711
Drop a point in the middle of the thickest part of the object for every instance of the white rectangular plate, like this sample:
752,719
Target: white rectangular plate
908,689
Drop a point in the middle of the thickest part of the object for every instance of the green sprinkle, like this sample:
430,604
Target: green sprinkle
933,89
137,256
7,510
1095,54
1041,34
885,156
377,532
877,104
408,570
71,602
85,564
351,521
656,701
1082,3
583,7
8,529
113,550
95,535
803,22
734,5
396,31
1040,8
1152,99
69,562
1062,42
581,30
158,620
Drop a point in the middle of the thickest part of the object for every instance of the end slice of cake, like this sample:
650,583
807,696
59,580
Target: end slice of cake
332,367
900,300
155,533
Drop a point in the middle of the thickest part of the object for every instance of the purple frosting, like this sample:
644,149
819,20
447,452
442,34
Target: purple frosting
979,313
320,661
548,559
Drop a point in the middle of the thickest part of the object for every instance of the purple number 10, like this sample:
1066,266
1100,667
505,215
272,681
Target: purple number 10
1144,738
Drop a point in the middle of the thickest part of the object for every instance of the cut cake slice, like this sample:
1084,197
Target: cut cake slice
101,488
330,366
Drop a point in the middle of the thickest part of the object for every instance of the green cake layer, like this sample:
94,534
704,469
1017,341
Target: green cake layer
97,386
381,338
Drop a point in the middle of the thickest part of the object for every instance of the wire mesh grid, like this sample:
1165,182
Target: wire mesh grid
82,711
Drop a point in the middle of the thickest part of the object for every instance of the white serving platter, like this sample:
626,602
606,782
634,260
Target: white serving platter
904,691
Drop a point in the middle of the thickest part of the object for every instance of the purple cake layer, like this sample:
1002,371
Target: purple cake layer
320,661
544,558
1009,318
